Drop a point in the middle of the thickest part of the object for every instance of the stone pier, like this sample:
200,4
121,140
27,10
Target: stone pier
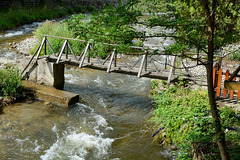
44,72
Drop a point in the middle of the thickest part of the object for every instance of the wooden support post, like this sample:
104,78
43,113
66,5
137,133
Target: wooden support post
66,49
141,66
225,91
124,61
219,82
45,46
89,54
71,50
106,59
214,78
61,52
50,47
41,46
152,60
111,60
172,69
234,74
232,91
83,56
165,67
30,60
136,62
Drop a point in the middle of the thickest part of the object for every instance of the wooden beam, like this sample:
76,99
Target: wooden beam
232,85
234,73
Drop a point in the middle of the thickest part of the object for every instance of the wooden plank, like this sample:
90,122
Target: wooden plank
30,60
83,57
124,61
225,91
219,82
45,46
234,74
49,45
70,47
106,58
232,91
152,60
146,63
141,66
61,52
41,46
66,50
136,62
111,60
232,85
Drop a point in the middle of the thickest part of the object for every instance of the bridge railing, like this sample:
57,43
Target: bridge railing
145,61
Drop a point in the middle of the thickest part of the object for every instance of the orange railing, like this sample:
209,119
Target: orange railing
218,79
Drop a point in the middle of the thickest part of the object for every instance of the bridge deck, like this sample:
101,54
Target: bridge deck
120,67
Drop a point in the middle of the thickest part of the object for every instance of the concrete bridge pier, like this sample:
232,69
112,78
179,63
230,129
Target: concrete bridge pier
44,72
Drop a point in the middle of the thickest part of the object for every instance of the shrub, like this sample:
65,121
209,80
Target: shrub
56,29
185,116
10,82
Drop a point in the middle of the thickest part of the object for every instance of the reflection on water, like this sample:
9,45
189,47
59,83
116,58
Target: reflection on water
107,124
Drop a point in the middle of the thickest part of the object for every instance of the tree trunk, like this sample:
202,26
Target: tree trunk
220,136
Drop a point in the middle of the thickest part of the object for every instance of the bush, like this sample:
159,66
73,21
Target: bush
13,17
185,116
10,82
56,29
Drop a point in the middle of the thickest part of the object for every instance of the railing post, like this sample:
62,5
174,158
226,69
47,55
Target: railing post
219,82
232,91
146,62
41,46
45,46
225,91
83,56
111,60
66,49
141,66
61,52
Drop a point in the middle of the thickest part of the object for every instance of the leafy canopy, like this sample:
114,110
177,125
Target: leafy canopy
190,23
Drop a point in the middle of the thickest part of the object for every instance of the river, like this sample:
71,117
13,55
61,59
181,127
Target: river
109,122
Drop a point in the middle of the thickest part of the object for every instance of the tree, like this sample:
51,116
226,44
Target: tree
203,26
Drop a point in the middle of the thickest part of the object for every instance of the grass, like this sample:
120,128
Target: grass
13,17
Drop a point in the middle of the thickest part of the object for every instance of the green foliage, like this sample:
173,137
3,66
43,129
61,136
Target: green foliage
185,116
13,17
10,82
189,20
56,29
111,25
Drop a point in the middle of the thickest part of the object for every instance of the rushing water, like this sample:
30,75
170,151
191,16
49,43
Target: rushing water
109,122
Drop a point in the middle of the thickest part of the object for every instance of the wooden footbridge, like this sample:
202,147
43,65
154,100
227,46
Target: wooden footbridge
143,64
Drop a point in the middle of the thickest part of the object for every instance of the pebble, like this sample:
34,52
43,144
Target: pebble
25,46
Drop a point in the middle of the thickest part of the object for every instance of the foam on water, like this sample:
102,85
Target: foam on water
73,144
78,146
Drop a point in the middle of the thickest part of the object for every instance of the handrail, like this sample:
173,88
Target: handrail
80,40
